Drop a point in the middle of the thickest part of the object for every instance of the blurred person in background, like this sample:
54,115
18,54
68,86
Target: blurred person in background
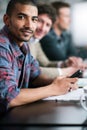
47,16
57,44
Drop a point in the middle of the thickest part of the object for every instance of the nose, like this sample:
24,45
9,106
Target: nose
29,23
43,27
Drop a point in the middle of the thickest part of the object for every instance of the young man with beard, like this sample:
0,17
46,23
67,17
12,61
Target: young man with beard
21,81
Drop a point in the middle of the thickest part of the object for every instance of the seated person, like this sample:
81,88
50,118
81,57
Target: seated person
57,44
50,68
21,81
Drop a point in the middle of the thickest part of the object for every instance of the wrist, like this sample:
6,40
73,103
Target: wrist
60,71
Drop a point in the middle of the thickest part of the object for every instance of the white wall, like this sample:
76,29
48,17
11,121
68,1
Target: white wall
79,24
3,4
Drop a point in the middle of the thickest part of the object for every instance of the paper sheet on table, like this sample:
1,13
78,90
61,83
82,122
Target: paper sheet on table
70,96
82,82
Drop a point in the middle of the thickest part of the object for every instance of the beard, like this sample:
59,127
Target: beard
22,34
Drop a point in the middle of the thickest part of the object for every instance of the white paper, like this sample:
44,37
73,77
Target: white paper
70,96
82,82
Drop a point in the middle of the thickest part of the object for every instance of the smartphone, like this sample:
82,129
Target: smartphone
78,74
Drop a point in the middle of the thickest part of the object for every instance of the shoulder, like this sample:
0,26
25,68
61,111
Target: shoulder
51,34
35,47
2,39
4,42
67,34
5,46
48,39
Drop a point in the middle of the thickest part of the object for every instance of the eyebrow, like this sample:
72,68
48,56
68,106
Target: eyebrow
27,15
35,17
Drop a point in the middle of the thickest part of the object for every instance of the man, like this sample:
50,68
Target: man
57,45
19,71
47,16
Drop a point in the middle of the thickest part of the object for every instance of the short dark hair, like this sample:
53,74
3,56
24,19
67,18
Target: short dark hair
47,9
12,3
60,4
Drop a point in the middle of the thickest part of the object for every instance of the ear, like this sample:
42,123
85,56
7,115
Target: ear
6,19
56,21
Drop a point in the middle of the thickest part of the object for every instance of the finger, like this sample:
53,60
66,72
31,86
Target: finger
72,80
69,88
72,87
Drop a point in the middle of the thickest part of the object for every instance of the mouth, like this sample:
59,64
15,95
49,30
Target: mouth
40,32
27,32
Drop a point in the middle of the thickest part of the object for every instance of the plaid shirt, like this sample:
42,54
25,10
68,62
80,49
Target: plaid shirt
11,62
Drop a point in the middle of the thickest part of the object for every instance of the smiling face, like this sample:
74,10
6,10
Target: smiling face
22,23
44,25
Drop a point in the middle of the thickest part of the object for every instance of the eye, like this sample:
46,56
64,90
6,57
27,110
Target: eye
35,19
48,25
21,17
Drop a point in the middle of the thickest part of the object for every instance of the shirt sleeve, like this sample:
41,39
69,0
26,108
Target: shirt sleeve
35,69
8,82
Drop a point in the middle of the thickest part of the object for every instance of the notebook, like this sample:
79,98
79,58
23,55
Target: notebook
74,95
82,82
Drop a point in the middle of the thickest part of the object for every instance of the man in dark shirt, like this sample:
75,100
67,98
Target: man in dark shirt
57,44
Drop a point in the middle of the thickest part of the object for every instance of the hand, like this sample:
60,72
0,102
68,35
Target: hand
76,62
62,85
73,61
68,71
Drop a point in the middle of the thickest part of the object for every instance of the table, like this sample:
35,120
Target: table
49,114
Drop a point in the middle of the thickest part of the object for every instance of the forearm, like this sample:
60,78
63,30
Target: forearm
59,86
51,72
30,95
41,80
